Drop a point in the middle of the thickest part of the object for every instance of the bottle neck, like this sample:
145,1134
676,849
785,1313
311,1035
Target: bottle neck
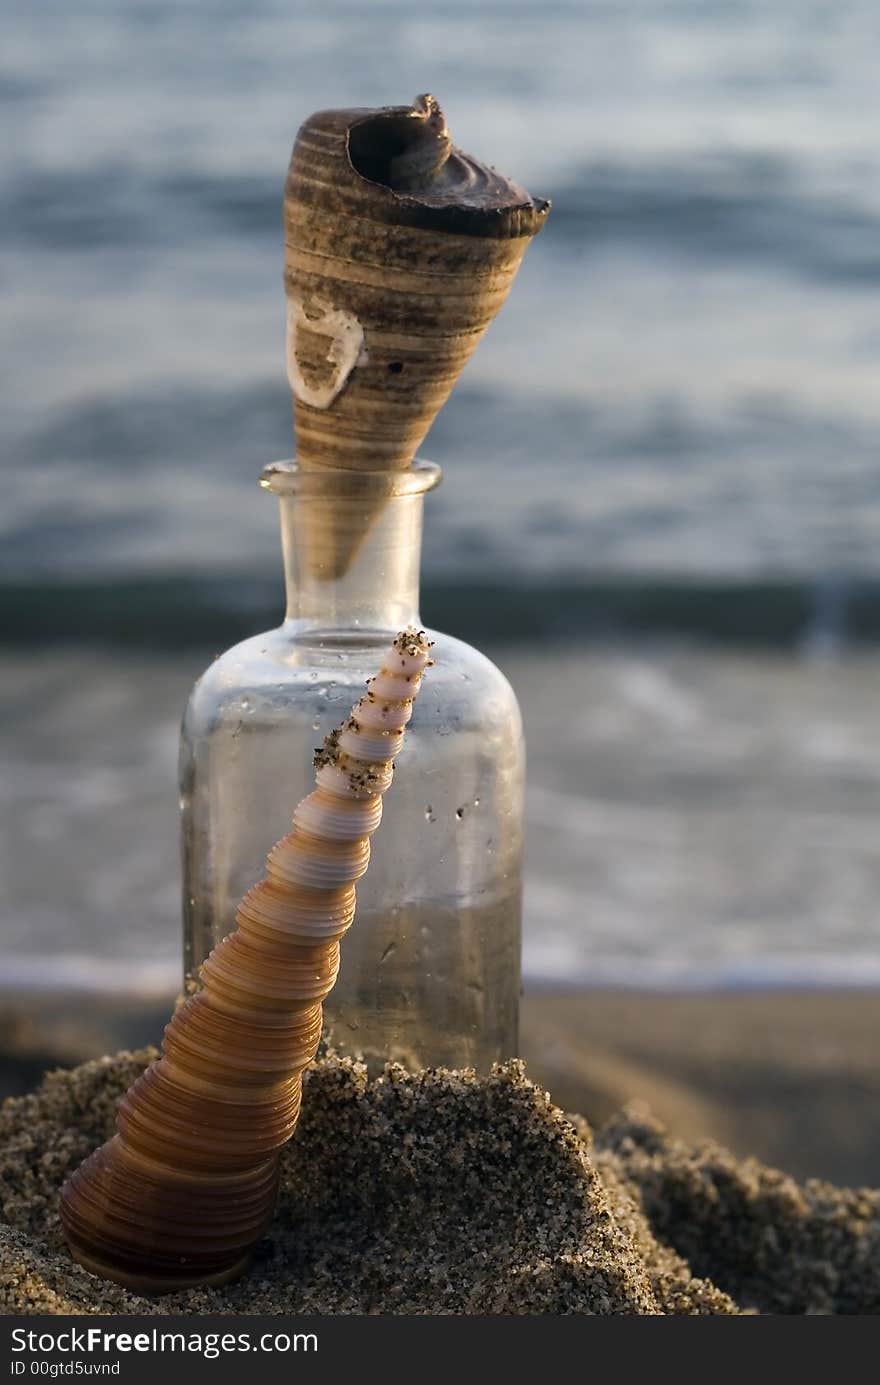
352,546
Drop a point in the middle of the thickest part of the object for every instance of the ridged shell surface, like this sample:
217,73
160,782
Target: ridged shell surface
188,1184
399,251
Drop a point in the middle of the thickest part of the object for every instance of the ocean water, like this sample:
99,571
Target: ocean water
695,818
671,429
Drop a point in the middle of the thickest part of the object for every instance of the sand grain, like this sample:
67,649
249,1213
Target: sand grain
442,1192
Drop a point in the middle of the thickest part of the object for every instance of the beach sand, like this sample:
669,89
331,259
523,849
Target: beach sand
448,1193
444,1194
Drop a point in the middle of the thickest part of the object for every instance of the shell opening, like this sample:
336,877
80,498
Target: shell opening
404,150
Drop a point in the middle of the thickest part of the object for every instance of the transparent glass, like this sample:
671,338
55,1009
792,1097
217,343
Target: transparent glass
430,969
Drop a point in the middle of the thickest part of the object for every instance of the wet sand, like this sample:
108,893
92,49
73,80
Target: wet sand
790,1077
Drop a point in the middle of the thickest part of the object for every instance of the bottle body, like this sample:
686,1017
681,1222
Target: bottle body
430,970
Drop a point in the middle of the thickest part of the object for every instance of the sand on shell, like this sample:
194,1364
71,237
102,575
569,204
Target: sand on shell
442,1192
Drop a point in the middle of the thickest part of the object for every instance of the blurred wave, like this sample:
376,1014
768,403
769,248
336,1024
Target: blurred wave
182,611
681,393
694,817
736,206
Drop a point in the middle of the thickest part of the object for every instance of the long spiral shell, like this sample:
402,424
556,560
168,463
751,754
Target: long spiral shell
187,1186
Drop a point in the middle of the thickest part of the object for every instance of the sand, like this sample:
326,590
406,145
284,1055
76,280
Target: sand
444,1193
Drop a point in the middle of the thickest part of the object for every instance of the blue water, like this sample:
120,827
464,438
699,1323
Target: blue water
673,425
683,383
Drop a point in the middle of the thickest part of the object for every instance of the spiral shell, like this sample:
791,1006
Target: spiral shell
399,251
187,1186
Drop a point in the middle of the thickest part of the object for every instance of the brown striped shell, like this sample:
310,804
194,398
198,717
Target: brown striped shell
399,251
187,1186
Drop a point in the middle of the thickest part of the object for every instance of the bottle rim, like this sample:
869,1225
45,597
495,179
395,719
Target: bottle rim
287,478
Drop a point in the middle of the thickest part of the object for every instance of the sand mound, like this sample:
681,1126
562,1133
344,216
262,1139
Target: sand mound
445,1193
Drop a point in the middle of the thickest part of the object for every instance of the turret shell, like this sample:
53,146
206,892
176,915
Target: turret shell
188,1184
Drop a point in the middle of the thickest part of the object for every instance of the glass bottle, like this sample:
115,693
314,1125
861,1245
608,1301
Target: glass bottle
430,969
